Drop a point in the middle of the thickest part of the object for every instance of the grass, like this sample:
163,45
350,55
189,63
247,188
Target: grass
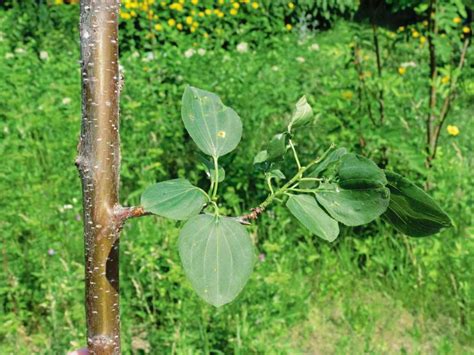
373,291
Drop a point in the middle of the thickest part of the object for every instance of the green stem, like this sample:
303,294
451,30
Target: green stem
295,154
270,186
298,176
216,178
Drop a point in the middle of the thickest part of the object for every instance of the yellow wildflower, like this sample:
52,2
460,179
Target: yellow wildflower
402,70
348,95
179,26
235,5
201,14
189,20
195,25
401,28
181,2
163,4
291,5
158,27
220,14
425,23
125,15
171,22
208,12
233,12
221,2
415,34
422,39
288,26
445,79
466,29
205,35
194,2
255,5
457,20
58,2
452,130
133,13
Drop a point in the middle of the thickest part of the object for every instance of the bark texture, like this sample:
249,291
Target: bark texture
98,162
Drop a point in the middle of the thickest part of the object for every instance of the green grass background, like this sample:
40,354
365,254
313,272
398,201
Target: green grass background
372,291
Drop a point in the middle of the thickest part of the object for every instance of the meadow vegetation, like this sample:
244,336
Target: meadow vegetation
374,290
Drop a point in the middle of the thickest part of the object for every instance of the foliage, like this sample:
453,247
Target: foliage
217,252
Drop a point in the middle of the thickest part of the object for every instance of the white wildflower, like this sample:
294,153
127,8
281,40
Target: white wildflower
242,47
275,68
9,56
314,47
44,55
149,57
20,50
300,59
201,51
190,52
408,64
67,101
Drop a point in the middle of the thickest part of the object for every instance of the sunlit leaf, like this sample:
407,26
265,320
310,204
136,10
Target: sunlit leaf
357,172
353,207
214,127
217,256
302,115
312,216
175,199
411,210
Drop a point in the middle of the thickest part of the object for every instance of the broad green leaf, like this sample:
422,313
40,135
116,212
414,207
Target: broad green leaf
302,115
357,172
214,127
175,199
277,146
328,164
331,159
411,210
353,207
210,169
307,211
217,256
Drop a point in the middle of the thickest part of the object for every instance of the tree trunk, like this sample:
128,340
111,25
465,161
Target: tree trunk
98,162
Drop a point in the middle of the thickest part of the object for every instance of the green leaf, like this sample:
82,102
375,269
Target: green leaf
307,211
353,207
276,174
357,172
411,210
277,146
210,169
214,127
261,157
327,164
302,115
331,159
217,256
175,199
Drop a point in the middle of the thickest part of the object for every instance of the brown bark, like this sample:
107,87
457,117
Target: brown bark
98,162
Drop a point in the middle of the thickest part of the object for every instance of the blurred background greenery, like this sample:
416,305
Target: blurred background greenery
372,291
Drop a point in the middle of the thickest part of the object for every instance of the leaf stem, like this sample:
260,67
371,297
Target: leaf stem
289,185
216,178
295,155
